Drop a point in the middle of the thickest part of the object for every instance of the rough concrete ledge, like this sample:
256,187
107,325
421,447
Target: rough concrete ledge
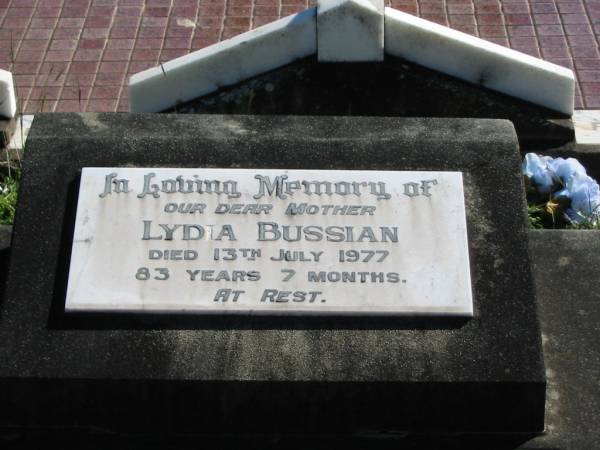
587,127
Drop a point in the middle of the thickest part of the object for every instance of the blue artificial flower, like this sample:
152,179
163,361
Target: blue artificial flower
569,180
536,168
584,193
565,169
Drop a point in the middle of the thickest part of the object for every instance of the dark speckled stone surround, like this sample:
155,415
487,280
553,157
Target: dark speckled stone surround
271,375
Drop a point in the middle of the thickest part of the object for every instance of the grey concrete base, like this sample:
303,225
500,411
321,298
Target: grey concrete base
566,266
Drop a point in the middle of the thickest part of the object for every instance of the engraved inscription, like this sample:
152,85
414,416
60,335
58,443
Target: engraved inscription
252,241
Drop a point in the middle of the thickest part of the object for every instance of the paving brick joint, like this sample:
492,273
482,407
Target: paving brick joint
77,55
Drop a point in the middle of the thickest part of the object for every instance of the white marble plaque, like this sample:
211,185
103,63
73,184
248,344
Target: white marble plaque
257,241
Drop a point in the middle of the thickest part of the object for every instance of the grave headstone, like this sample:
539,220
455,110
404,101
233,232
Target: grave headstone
138,353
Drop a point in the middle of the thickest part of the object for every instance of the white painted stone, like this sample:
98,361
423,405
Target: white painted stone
8,101
224,64
423,271
478,61
587,126
350,30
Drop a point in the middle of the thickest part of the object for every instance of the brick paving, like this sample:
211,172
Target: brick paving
76,55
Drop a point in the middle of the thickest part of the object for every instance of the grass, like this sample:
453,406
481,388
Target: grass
544,217
534,214
10,177
585,225
10,168
10,165
9,191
